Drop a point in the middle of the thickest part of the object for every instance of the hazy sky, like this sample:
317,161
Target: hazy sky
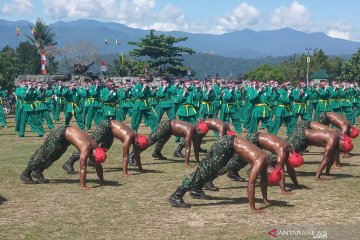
336,18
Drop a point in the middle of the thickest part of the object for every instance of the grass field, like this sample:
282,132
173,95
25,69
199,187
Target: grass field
136,207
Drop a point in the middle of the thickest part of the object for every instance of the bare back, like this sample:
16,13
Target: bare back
217,125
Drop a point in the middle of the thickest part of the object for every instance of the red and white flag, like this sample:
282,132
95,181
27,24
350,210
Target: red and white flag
43,63
103,67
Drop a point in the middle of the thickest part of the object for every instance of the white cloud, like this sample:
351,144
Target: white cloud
17,7
241,17
339,34
295,16
79,9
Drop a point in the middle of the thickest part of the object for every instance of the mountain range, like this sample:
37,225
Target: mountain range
239,44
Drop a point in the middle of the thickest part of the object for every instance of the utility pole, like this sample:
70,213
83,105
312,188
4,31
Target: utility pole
307,65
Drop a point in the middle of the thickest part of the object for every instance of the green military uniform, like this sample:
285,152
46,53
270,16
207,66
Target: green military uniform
165,105
108,98
312,100
43,112
186,111
248,108
207,104
217,100
356,103
93,106
229,109
2,114
19,94
346,104
334,100
299,105
282,112
262,111
125,103
141,108
323,103
60,102
28,113
73,107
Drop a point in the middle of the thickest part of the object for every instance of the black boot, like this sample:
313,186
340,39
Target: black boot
199,195
178,153
69,165
26,176
38,176
210,186
158,155
235,176
176,199
131,159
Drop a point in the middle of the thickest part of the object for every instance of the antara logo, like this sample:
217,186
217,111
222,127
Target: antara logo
273,233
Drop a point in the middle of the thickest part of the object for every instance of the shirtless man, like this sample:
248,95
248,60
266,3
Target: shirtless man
339,121
167,128
216,158
303,135
104,137
55,146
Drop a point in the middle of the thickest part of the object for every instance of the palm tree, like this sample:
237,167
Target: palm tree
42,36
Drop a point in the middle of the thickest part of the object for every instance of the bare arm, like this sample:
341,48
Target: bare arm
125,161
251,186
329,153
187,150
196,146
84,155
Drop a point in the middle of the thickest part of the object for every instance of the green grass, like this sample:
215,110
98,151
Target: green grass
136,207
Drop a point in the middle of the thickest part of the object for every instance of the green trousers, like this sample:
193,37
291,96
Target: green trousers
147,114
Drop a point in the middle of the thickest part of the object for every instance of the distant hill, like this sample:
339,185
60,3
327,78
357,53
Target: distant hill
239,44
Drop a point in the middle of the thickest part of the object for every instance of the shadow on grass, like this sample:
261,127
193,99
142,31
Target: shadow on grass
76,181
2,199
334,175
227,201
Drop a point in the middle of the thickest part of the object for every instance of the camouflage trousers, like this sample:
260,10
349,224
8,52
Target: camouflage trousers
235,164
52,149
161,135
215,159
297,139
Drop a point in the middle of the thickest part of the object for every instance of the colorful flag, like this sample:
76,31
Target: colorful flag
43,63
103,67
106,41
117,42
33,31
17,31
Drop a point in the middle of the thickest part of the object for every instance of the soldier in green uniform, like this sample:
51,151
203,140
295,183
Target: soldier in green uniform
218,87
43,110
197,96
346,94
229,107
207,99
217,157
283,110
356,101
165,105
248,106
19,94
334,97
94,104
124,96
108,98
73,107
60,100
299,106
3,96
259,97
323,103
54,146
141,108
186,111
28,114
